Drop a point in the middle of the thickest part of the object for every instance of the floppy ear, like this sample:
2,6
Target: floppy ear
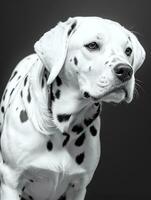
138,52
52,47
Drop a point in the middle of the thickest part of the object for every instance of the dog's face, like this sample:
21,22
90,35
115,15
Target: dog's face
99,56
102,57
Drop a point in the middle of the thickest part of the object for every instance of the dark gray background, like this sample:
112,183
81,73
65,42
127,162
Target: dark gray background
125,168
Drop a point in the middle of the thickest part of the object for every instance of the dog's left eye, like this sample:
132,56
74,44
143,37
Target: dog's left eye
128,51
92,46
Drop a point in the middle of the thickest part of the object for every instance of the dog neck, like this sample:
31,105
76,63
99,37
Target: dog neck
68,107
59,105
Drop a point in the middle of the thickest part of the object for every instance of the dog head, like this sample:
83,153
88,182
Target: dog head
98,56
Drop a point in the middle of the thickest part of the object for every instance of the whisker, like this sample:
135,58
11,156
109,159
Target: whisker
136,93
137,80
136,32
139,86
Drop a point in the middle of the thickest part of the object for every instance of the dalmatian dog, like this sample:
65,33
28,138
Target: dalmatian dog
50,109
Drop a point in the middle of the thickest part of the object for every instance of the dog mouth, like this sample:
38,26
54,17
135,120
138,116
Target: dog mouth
115,90
117,94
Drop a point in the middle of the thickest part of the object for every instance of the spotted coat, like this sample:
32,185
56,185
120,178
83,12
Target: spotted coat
61,160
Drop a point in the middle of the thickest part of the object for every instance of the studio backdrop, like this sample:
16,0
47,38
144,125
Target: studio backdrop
124,171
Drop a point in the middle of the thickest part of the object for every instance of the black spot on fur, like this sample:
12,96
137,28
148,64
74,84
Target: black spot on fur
42,83
23,189
14,74
23,116
51,94
72,185
29,96
57,94
49,145
63,117
66,139
63,197
58,81
97,113
77,128
21,93
93,131
46,74
75,61
25,81
30,197
22,198
106,62
12,91
19,77
86,95
80,140
80,158
31,180
96,104
88,121
72,27
46,77
4,94
2,109
51,98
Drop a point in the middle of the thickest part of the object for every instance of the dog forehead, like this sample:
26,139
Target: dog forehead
95,27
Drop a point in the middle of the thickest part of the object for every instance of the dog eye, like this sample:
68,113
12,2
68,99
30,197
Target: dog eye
128,51
92,46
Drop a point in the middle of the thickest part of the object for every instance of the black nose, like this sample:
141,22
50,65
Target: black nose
123,72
